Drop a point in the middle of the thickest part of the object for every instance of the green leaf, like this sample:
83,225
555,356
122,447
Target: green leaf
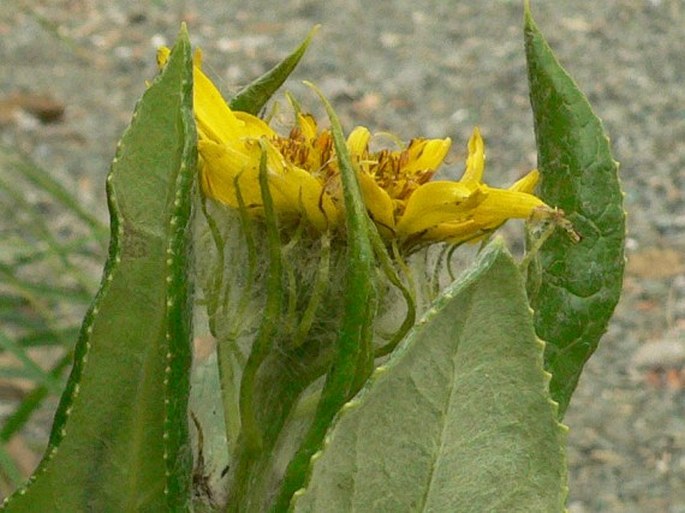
254,96
119,442
579,284
459,419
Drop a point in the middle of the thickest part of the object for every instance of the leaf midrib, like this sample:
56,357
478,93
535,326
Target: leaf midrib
445,416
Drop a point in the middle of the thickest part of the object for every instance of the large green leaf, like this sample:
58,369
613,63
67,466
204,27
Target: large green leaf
460,418
120,437
579,283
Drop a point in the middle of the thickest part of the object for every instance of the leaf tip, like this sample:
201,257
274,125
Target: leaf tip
183,34
311,34
332,116
528,21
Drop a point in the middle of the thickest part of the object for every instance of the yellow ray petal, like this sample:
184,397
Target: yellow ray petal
299,191
453,232
221,166
307,125
475,162
295,192
526,183
378,203
253,127
216,121
438,202
358,142
501,204
427,154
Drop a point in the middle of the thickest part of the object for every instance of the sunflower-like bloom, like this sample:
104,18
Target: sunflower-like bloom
305,182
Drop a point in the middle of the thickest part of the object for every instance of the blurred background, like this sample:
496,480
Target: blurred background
70,74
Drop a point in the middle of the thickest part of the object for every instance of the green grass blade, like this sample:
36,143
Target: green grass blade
13,162
37,293
29,328
37,224
9,468
48,337
31,402
31,369
579,284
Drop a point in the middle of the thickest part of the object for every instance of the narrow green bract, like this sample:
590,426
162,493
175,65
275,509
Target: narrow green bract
120,438
353,359
458,420
579,283
254,96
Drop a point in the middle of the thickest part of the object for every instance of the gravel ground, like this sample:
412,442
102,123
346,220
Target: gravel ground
431,68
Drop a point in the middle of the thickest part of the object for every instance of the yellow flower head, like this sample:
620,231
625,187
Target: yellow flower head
305,183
